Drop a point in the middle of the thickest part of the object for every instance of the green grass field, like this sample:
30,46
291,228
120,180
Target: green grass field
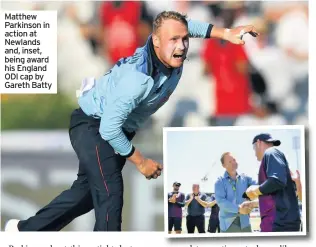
255,224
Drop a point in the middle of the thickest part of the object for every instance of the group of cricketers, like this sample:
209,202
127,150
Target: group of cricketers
196,203
276,194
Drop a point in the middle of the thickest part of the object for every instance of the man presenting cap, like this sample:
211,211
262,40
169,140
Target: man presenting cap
279,209
229,188
175,204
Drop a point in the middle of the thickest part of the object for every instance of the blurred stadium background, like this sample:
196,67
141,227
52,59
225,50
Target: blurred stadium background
264,82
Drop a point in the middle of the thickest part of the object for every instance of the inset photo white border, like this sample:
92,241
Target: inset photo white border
201,144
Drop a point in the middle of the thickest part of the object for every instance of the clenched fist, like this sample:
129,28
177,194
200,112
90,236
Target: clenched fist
150,168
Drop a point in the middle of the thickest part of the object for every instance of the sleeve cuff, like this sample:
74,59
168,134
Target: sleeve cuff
244,195
209,31
130,153
270,185
236,209
264,188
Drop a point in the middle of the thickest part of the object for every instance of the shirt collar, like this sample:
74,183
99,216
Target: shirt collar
226,175
158,65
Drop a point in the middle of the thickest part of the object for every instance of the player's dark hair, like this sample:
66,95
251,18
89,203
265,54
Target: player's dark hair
167,15
223,157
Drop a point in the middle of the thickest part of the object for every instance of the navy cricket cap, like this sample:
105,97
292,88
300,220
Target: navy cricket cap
177,183
266,137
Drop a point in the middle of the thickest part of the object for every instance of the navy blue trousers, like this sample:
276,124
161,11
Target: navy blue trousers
99,183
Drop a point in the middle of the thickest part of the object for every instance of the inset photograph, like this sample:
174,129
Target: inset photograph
232,181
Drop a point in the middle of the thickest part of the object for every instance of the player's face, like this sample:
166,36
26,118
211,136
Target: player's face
172,43
230,163
196,189
176,187
257,149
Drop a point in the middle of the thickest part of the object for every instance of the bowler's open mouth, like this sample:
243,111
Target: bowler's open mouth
178,56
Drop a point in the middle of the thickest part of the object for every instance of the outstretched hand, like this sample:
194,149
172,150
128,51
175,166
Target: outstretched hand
235,35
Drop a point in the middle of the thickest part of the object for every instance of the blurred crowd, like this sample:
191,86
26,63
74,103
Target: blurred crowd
263,82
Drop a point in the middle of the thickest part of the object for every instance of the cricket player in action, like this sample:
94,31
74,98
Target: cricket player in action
278,202
112,109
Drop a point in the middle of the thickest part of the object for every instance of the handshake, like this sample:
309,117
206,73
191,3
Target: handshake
251,193
246,207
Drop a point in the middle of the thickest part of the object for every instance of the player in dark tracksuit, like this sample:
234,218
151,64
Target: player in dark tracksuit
278,203
213,224
176,201
196,203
